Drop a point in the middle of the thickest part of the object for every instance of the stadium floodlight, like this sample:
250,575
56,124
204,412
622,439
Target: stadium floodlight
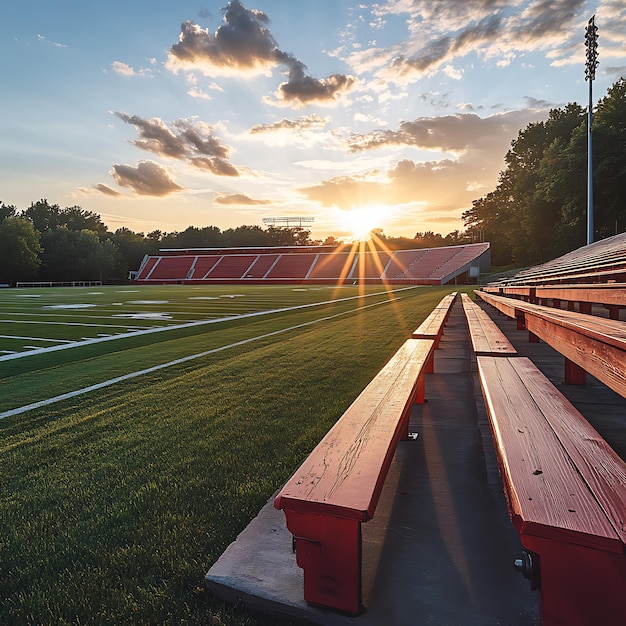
591,43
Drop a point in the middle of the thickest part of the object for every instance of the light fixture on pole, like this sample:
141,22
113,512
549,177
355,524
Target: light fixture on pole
591,43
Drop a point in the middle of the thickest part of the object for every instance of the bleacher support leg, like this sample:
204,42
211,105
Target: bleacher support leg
328,549
580,586
574,374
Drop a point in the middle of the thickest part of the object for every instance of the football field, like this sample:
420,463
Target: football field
143,427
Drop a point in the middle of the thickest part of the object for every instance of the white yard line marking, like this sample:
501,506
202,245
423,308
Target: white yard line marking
65,323
35,338
160,329
155,368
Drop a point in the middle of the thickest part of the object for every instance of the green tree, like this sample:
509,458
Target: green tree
7,210
43,215
76,255
19,250
76,218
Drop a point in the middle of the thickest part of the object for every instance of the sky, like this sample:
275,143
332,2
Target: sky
394,114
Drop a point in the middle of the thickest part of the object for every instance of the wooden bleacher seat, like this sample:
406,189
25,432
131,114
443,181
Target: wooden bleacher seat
487,339
566,493
337,487
590,344
432,327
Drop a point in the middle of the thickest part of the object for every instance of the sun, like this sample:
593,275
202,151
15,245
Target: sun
360,221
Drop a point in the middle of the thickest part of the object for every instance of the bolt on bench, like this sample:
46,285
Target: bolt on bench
338,485
566,493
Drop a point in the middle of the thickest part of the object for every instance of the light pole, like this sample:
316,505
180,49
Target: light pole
591,43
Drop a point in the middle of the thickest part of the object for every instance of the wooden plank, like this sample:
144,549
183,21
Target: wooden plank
610,294
486,337
344,474
598,464
546,494
601,359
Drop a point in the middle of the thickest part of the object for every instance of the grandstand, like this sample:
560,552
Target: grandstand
315,264
601,262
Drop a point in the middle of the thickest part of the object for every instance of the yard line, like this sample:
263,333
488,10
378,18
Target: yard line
160,329
35,338
155,368
68,324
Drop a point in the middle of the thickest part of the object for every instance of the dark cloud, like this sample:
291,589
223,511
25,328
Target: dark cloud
147,179
239,198
302,90
244,44
215,165
191,141
187,140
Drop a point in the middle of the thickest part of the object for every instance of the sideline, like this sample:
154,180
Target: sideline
161,329
113,381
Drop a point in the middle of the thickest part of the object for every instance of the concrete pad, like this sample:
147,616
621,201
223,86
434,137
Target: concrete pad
440,548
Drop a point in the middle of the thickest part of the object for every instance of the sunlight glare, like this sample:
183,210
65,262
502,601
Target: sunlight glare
360,221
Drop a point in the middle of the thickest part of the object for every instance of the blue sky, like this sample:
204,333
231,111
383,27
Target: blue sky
393,114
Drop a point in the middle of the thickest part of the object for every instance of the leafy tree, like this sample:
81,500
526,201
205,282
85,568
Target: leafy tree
7,210
76,255
44,216
19,250
193,237
76,218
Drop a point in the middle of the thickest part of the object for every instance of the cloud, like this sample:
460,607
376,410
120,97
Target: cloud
147,179
441,31
448,184
310,122
301,90
239,198
124,69
215,165
452,133
106,190
243,45
187,139
52,43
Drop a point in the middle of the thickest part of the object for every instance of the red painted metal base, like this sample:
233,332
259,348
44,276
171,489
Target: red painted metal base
328,549
580,586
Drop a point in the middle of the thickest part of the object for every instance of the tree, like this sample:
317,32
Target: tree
523,217
44,216
7,210
19,250
76,218
76,255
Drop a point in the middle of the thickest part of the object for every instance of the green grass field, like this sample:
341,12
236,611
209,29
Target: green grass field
142,428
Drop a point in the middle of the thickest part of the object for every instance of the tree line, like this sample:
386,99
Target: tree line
538,211
48,243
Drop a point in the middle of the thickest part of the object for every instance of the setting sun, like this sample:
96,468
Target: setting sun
360,221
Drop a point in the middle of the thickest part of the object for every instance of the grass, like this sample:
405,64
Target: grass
116,503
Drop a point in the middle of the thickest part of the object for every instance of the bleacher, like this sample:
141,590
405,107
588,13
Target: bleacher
600,262
317,264
570,510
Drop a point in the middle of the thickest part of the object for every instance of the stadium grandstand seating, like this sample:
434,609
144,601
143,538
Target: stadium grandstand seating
600,262
318,264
